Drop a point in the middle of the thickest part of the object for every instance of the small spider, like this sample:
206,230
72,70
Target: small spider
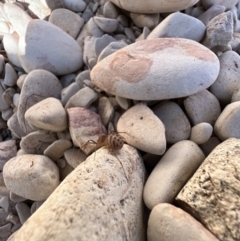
113,142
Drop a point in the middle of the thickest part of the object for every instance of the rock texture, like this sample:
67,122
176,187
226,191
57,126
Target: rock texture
212,194
99,200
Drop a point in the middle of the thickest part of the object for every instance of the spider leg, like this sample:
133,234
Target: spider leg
88,142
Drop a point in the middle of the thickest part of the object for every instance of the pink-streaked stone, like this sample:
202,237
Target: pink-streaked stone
85,125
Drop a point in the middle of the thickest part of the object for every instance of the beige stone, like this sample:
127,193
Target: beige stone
142,129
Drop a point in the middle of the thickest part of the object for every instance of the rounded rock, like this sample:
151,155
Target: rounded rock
44,114
153,6
175,121
227,4
227,124
172,172
228,79
68,21
179,25
142,129
34,177
201,133
168,223
57,52
157,69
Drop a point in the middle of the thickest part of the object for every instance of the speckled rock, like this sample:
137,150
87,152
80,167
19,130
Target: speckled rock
114,199
139,72
172,172
31,176
59,56
142,129
153,6
168,223
227,124
212,194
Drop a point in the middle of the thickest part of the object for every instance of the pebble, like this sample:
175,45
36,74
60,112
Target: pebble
10,78
123,102
3,104
191,28
38,10
44,114
102,42
21,80
172,172
145,20
31,176
5,230
67,79
68,92
74,157
202,107
36,142
10,43
227,124
84,125
111,48
201,133
56,150
105,110
12,218
92,180
177,129
169,223
52,4
23,212
107,25
208,146
152,6
142,129
6,114
236,96
210,13
8,95
227,4
65,57
228,80
8,149
219,31
5,204
14,126
38,85
2,64
71,23
16,198
212,195
83,98
185,72
110,10
17,17
75,5
89,29
35,206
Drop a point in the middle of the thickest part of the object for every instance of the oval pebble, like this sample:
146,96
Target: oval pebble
107,25
69,22
23,212
31,176
139,72
142,129
227,124
61,55
172,172
44,114
169,223
177,129
179,25
201,133
145,20
75,5
153,6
